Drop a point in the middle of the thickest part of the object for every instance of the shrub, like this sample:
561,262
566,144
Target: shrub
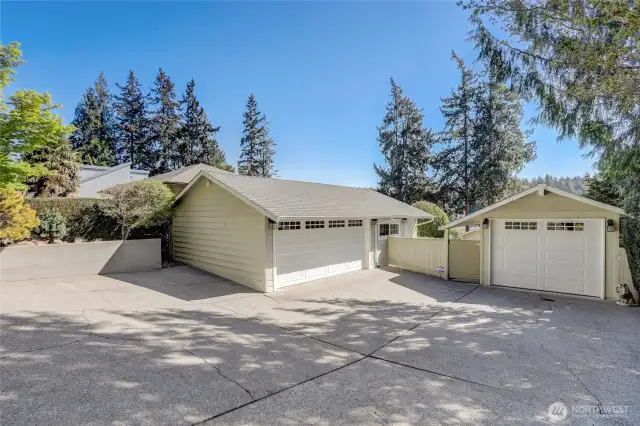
53,226
16,217
84,218
431,229
142,203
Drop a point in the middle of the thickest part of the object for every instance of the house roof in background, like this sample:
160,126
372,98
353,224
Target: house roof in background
540,189
280,199
107,170
187,173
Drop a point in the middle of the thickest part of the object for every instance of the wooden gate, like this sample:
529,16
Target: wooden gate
464,259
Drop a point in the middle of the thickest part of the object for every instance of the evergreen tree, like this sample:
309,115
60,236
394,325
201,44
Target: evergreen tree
456,163
94,127
64,170
165,123
256,147
198,143
500,144
135,144
406,148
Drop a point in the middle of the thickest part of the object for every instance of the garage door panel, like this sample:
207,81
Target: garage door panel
305,255
564,285
566,271
520,280
523,255
521,268
567,256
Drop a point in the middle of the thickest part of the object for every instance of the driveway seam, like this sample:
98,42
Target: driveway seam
427,319
276,393
219,372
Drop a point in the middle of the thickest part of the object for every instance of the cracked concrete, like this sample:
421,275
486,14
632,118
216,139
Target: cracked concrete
180,346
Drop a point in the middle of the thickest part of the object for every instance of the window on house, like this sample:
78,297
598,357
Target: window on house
288,226
336,224
389,229
314,224
521,226
356,222
565,226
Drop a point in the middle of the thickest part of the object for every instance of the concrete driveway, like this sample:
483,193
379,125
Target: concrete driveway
180,346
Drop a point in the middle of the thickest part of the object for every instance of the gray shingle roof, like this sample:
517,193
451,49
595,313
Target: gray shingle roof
186,174
284,199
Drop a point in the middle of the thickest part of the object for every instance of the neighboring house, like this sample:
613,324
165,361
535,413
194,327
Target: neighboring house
271,233
178,179
94,179
551,240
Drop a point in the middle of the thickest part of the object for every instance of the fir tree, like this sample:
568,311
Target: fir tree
135,144
198,143
64,170
256,147
406,148
94,127
456,163
165,123
500,144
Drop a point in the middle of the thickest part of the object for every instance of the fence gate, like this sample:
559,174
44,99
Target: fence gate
464,259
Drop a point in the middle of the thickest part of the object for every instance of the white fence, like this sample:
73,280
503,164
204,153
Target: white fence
420,255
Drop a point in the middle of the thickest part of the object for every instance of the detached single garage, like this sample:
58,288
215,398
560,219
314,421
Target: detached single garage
272,233
549,240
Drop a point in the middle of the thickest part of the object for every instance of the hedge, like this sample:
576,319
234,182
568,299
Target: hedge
86,221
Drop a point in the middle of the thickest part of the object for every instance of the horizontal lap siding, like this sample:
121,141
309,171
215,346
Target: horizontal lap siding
215,231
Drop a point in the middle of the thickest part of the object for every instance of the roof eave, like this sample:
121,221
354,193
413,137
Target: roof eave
538,188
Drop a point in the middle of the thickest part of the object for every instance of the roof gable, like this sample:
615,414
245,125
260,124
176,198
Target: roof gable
541,190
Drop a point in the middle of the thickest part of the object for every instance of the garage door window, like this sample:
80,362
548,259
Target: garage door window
565,226
356,222
389,229
336,224
288,226
521,226
314,224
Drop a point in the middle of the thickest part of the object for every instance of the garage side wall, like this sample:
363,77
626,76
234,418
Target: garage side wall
215,231
553,206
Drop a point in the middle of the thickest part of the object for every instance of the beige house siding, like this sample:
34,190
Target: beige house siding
553,206
215,231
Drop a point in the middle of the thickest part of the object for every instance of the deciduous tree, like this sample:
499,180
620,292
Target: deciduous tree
27,122
139,204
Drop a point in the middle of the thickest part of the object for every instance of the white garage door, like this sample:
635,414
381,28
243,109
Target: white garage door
310,250
565,255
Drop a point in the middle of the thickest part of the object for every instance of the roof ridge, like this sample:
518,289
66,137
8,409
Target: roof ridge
294,180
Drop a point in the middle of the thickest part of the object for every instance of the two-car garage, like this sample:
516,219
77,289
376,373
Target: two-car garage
313,249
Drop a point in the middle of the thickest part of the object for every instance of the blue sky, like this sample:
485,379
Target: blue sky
319,70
